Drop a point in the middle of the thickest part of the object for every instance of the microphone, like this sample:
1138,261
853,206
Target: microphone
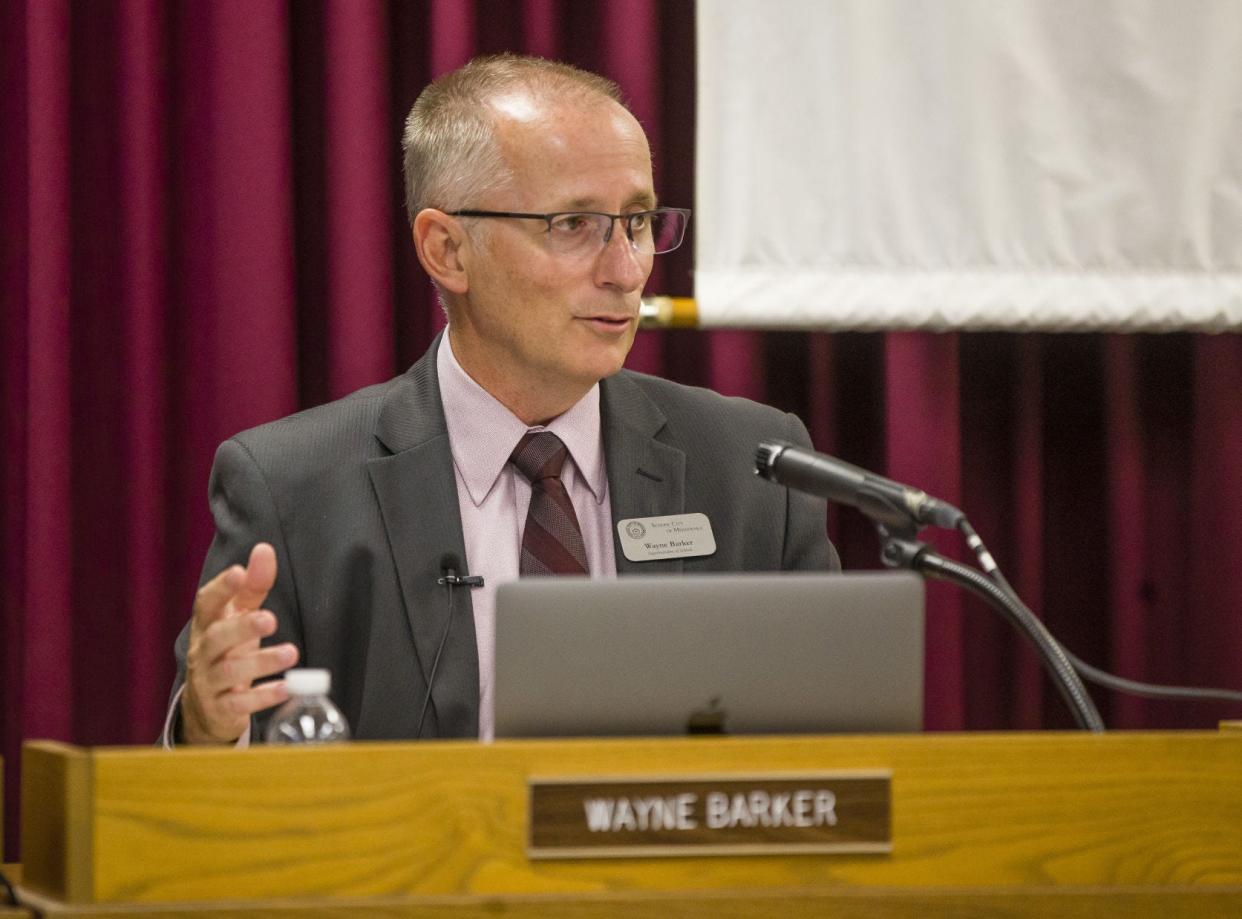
449,563
448,566
883,500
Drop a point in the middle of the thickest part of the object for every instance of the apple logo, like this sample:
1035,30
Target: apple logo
710,720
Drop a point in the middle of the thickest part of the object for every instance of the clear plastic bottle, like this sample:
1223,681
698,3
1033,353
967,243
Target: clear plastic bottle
309,716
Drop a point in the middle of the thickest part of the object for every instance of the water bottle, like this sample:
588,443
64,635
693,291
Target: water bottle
309,716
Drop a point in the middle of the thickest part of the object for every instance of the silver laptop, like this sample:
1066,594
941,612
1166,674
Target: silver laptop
734,653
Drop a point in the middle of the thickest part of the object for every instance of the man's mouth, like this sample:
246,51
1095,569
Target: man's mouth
609,322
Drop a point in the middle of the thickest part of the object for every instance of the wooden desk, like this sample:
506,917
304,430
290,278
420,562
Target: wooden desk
1138,824
1014,903
14,873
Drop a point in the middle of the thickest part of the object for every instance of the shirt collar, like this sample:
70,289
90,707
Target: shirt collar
482,432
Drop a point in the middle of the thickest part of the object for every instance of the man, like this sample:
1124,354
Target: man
530,194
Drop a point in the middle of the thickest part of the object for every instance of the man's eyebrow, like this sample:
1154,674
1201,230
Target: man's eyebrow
644,201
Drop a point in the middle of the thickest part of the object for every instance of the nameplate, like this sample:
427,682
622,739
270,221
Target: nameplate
832,812
654,539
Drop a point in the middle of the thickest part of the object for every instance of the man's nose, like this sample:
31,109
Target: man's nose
620,263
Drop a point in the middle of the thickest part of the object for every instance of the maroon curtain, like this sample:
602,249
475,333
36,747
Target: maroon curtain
202,230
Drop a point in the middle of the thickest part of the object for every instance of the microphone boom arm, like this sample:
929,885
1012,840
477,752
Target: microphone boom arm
899,512
902,549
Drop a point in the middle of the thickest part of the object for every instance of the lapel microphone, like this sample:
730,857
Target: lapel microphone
451,577
449,563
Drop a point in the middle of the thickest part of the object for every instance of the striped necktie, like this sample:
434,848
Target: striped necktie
552,540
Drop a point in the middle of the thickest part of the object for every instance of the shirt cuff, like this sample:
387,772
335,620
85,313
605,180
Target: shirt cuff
168,737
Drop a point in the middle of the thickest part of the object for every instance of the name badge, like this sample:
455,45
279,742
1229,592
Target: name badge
650,539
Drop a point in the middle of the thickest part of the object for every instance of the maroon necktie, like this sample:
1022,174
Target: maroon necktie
552,540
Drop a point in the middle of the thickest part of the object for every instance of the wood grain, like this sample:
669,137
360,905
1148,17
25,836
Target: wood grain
1024,903
1031,811
57,831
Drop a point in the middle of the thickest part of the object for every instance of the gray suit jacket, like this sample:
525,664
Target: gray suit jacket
359,499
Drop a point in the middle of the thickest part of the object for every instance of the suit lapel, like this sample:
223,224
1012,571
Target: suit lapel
417,494
646,478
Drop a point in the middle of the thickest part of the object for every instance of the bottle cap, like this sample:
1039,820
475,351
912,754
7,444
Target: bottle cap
308,682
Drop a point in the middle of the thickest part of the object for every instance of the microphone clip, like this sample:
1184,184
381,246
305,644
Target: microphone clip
471,580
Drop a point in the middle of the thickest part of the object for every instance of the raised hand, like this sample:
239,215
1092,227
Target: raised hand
225,657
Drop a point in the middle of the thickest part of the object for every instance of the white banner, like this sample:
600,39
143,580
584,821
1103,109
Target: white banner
1020,164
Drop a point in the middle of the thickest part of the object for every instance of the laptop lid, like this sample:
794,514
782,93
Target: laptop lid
734,653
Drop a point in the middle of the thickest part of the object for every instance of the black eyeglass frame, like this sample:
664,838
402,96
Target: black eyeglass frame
627,219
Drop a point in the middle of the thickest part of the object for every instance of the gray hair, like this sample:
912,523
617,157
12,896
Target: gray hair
450,156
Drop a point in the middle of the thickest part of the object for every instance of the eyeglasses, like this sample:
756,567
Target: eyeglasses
582,232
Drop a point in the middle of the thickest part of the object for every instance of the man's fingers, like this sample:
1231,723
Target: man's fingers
211,601
246,588
229,635
260,576
225,656
223,718
257,698
233,673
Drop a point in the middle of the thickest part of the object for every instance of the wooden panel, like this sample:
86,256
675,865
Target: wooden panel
12,873
1003,810
1073,903
56,831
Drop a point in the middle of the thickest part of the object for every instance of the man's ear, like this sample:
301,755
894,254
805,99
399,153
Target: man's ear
438,240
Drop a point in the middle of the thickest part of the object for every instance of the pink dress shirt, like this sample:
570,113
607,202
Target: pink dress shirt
493,496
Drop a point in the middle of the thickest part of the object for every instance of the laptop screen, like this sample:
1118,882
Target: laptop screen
734,653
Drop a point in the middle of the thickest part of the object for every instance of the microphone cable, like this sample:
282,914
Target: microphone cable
449,563
1056,661
1087,671
899,511
448,577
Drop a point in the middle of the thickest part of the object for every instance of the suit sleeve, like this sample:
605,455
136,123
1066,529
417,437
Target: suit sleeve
245,513
806,547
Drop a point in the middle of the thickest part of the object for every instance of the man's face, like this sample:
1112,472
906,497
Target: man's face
535,326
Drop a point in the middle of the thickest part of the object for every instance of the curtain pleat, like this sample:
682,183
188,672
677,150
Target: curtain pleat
922,408
1127,516
452,25
1025,522
250,201
15,240
46,438
736,364
360,162
202,229
539,28
143,318
1213,549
